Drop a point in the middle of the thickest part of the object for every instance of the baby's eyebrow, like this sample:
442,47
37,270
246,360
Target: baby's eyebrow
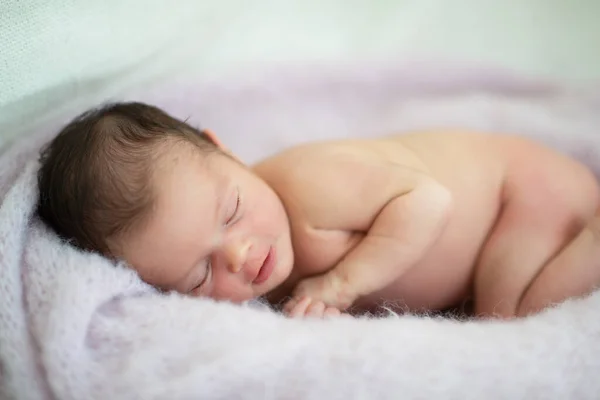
221,201
223,187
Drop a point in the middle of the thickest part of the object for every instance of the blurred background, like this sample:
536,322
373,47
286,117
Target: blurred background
62,55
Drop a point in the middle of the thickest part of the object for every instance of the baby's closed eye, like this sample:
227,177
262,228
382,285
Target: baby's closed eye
203,279
234,208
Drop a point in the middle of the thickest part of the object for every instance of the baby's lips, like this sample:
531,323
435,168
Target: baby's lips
266,267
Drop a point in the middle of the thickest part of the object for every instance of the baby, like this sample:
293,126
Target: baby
424,220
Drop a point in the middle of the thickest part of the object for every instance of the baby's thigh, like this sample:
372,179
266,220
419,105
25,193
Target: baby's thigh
547,200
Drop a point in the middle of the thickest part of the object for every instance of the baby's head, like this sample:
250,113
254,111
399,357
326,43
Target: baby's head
131,182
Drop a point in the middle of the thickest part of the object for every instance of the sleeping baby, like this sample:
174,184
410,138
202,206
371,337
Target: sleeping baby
423,220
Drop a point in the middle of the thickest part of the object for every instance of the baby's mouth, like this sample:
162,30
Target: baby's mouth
266,268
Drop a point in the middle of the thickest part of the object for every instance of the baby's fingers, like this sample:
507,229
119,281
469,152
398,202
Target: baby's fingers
307,307
316,309
331,312
290,304
297,308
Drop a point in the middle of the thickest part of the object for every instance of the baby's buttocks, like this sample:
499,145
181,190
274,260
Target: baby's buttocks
545,179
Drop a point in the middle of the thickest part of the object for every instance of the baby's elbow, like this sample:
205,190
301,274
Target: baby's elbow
441,200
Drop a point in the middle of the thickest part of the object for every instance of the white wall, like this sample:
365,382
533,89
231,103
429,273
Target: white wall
55,54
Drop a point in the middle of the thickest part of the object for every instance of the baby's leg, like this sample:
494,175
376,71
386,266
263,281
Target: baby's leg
575,271
517,249
537,252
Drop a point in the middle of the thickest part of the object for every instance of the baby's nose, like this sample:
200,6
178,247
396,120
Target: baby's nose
236,253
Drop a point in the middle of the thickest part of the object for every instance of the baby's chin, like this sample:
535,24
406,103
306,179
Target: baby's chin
278,291
268,287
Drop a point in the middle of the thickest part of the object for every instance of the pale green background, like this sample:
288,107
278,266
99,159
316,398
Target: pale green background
60,54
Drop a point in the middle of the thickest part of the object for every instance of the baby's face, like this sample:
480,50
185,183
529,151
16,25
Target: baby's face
216,230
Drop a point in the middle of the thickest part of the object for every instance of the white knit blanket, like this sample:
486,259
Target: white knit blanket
73,326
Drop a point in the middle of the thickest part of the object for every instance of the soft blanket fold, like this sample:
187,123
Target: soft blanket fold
74,326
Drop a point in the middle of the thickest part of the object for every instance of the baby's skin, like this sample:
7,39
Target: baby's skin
423,221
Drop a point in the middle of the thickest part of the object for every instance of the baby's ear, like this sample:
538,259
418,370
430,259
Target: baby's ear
210,135
213,138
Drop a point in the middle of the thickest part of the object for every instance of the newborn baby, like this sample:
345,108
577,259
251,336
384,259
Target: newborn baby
424,220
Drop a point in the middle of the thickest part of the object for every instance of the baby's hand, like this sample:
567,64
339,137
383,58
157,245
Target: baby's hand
299,307
327,288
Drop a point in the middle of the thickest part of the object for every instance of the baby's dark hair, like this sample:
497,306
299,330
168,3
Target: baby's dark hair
95,175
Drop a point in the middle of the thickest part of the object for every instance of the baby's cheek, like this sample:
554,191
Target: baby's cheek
225,288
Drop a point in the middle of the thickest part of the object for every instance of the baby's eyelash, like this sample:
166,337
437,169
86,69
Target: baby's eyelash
205,279
235,211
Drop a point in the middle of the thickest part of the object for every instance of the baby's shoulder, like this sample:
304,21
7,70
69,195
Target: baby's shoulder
325,181
316,166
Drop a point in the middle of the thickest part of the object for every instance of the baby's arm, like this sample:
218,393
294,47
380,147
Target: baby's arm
403,212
